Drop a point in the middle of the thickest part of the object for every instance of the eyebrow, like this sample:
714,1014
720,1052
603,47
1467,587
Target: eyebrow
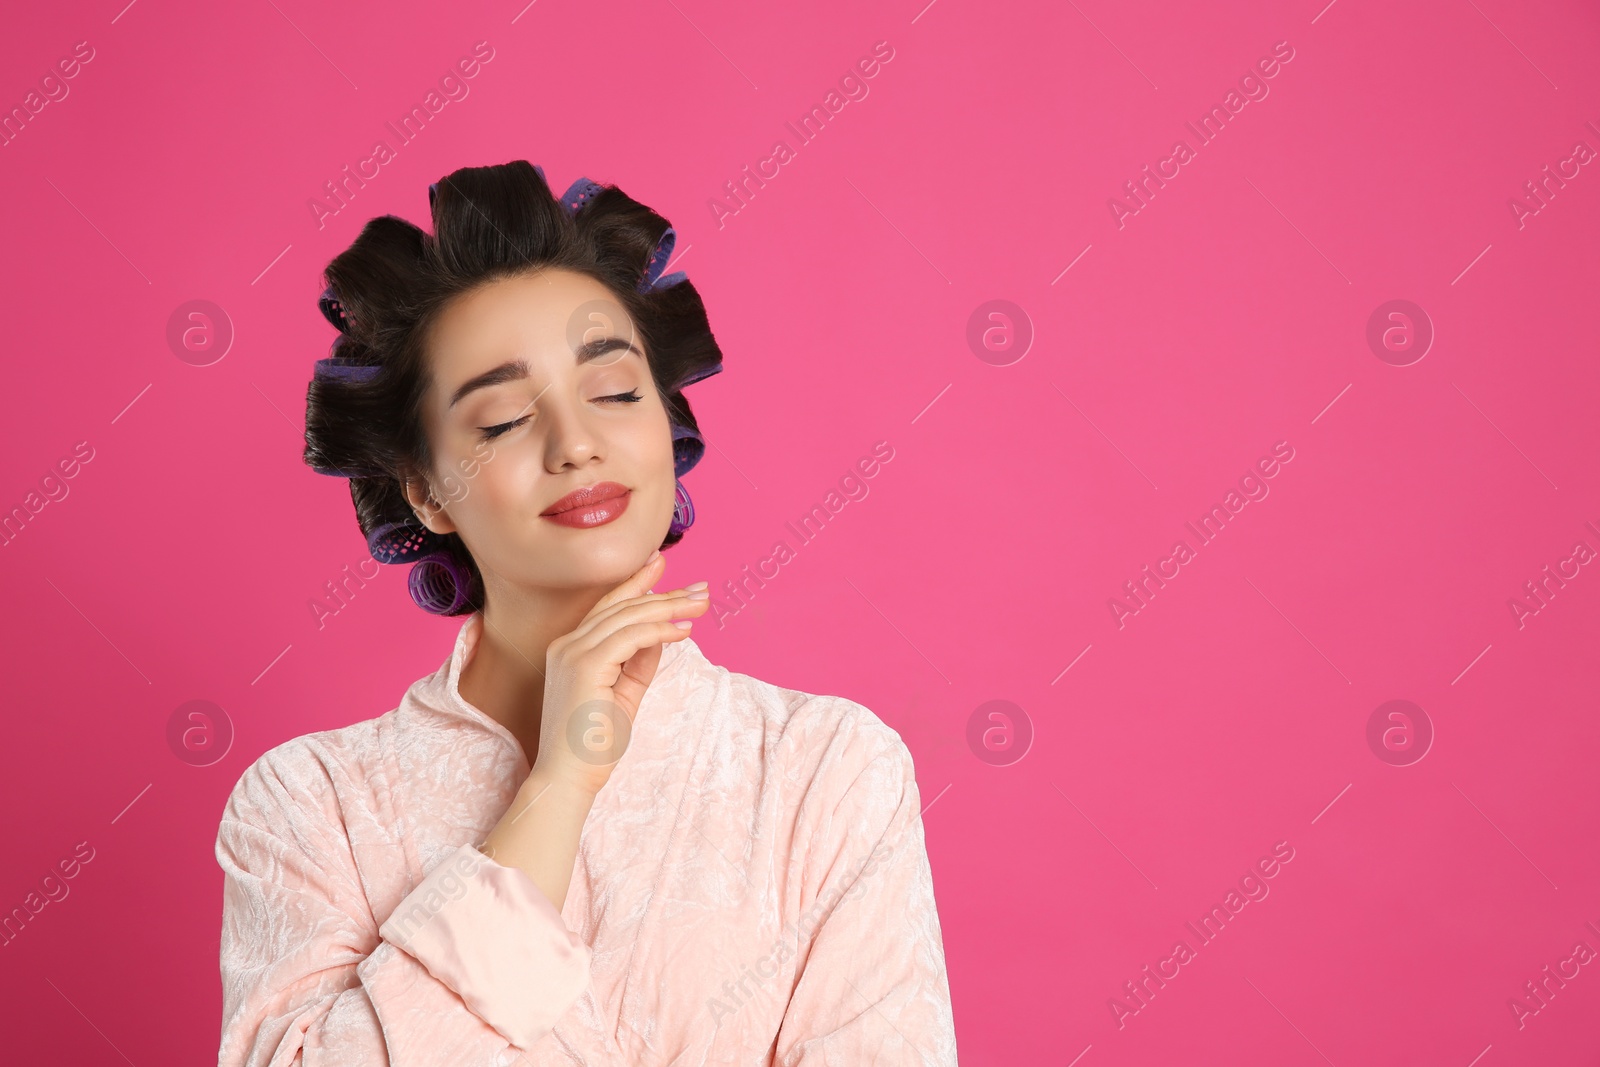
513,370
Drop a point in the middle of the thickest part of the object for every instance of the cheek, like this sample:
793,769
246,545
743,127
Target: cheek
647,445
491,486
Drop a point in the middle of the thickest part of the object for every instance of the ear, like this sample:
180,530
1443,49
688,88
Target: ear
431,513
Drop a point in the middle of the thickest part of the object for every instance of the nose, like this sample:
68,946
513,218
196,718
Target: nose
571,441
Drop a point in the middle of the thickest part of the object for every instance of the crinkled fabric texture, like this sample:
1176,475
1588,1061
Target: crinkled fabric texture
751,887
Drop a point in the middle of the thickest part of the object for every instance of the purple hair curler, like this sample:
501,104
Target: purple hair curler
332,310
584,190
438,584
338,369
658,260
682,510
578,194
698,375
401,542
687,448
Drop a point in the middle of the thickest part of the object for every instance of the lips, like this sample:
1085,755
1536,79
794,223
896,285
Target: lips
587,497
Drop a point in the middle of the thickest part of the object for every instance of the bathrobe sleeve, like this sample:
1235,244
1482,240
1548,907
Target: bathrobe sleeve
473,966
872,991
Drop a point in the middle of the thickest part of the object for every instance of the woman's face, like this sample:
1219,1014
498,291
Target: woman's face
539,387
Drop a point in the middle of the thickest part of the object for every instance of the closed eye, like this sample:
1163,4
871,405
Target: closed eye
491,432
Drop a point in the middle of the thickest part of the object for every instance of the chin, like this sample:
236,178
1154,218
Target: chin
602,555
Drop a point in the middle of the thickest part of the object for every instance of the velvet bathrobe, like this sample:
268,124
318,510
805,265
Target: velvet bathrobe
751,888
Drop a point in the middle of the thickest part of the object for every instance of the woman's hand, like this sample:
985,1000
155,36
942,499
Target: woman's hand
596,675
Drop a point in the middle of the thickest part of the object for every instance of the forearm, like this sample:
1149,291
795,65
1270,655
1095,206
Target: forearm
473,957
539,832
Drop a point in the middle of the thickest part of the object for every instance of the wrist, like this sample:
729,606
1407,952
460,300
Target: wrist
545,795
552,780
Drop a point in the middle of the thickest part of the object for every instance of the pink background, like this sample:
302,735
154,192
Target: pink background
1228,314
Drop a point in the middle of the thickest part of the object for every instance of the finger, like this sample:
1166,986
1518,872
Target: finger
608,657
633,585
635,676
598,617
659,606
617,669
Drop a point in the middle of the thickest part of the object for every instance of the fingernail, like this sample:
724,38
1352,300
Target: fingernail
683,624
696,585
653,557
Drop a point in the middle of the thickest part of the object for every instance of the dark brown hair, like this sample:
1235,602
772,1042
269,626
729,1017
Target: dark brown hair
363,407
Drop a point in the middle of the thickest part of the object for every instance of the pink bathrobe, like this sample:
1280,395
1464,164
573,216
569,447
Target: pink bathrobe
751,888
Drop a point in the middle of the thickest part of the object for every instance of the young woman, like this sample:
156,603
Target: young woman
578,841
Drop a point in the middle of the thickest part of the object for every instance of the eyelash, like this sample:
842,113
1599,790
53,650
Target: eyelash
491,432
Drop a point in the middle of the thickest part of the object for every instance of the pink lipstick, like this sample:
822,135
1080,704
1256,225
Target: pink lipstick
593,505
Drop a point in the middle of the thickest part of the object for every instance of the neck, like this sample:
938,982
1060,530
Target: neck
505,678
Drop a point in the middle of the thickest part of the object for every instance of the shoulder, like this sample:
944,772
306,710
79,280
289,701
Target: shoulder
306,782
824,745
841,781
